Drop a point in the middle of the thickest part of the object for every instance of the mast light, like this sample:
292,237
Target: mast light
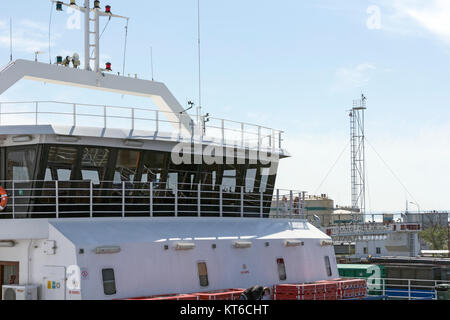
73,2
108,9
59,5
108,66
96,4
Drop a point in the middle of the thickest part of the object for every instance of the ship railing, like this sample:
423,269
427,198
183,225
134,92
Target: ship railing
403,289
204,130
91,199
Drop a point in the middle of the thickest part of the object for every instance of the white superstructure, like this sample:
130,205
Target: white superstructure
105,212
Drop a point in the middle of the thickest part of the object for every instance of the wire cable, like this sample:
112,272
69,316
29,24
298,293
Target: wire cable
332,168
392,172
125,48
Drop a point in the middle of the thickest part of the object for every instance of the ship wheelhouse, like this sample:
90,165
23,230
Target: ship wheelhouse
77,171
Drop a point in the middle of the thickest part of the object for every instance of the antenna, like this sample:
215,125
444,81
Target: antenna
89,29
358,161
10,39
151,62
199,63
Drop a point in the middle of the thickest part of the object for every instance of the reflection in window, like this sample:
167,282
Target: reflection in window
154,163
126,166
94,164
61,161
264,179
21,164
172,181
91,175
109,282
229,181
328,266
250,180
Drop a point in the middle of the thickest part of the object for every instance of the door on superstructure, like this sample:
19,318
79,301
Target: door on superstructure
9,273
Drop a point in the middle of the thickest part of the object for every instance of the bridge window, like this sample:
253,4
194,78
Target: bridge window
94,162
126,166
281,269
328,266
109,282
250,178
203,274
60,164
229,181
21,164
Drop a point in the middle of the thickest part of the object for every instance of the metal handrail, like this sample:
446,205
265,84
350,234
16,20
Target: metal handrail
410,290
64,199
227,133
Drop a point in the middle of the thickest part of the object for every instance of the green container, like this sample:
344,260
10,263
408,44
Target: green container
371,272
443,292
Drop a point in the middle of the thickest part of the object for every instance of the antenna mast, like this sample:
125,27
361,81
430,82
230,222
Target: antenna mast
358,161
90,15
199,108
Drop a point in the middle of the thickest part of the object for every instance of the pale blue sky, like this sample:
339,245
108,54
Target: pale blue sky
293,65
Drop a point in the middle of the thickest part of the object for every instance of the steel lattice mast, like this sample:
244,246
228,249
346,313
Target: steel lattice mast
358,162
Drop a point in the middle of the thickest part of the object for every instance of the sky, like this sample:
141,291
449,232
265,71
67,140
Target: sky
292,65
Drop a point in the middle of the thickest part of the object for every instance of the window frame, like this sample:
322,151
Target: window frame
103,280
199,275
284,267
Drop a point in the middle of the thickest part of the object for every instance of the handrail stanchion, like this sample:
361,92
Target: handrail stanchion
221,201
104,117
132,119
261,205
37,111
278,203
13,200
223,131
74,115
291,204
57,198
91,195
259,137
199,203
176,199
409,289
279,140
242,135
157,120
151,199
0,114
242,201
123,199
384,286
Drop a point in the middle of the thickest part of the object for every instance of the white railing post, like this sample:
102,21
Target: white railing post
151,199
221,201
242,135
242,201
261,205
104,116
278,203
157,120
223,131
57,198
259,137
409,289
74,116
199,203
91,195
123,199
13,200
279,140
291,204
176,200
384,286
37,110
0,114
132,119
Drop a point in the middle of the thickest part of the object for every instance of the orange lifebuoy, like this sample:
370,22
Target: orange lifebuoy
3,199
